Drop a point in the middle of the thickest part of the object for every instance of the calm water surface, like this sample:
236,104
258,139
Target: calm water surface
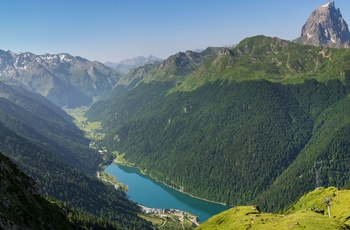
146,191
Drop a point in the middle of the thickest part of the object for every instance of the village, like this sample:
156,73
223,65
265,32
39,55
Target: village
173,214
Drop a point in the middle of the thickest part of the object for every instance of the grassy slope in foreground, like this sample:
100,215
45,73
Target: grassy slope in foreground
299,216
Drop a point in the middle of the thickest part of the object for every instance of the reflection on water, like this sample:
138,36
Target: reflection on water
146,191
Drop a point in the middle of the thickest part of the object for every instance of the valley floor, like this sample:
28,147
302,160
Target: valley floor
161,218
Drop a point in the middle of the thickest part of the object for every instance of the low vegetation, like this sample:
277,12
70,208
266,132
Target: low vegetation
310,212
92,130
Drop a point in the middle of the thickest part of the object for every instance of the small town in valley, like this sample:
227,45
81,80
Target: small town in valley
173,214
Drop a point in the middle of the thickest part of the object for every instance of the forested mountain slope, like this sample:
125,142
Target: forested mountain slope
35,118
236,123
327,149
51,149
79,191
21,204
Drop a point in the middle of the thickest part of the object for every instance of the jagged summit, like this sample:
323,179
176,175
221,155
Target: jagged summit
128,65
62,78
329,4
326,26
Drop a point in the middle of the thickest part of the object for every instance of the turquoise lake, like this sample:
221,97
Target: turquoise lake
143,190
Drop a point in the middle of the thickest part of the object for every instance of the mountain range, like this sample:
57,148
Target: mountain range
248,124
63,79
241,120
127,65
244,120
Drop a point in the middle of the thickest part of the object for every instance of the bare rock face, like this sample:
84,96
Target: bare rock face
326,27
62,78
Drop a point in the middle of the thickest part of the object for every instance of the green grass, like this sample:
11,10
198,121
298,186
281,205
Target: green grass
155,220
119,158
172,224
300,215
92,129
340,204
272,59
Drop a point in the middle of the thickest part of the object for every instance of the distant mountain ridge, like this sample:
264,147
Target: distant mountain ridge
127,65
63,79
257,57
326,26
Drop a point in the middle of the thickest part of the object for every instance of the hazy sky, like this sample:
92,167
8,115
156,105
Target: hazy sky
112,30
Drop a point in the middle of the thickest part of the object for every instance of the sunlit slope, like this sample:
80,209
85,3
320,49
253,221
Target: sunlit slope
251,138
302,215
267,58
254,58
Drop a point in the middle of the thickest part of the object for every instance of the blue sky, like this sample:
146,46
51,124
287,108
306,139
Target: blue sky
112,30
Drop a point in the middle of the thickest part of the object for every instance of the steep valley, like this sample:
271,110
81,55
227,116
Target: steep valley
236,140
263,122
43,140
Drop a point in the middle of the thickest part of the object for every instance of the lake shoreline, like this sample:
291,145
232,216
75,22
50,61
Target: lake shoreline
145,190
179,190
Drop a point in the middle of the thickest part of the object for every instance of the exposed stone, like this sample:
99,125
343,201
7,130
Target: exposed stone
326,27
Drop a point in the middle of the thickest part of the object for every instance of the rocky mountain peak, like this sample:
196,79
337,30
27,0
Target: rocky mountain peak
127,65
64,79
326,26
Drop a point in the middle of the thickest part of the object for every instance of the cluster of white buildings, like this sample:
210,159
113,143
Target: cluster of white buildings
160,211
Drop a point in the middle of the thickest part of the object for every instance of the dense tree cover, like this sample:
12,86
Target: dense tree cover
227,142
22,205
85,194
34,117
329,146
42,139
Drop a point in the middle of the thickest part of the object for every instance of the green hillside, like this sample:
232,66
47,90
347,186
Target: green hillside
84,194
239,125
271,59
254,58
329,143
310,212
44,142
35,118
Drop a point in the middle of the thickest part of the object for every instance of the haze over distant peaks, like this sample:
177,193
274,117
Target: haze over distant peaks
64,79
127,65
326,26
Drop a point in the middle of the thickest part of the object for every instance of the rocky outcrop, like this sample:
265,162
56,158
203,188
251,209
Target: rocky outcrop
21,206
326,27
